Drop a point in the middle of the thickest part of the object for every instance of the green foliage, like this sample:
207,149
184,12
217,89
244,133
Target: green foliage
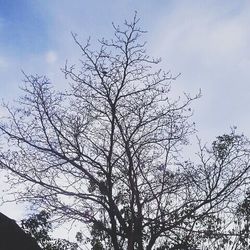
224,144
243,222
39,227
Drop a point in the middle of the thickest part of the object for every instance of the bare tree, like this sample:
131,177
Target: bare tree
107,152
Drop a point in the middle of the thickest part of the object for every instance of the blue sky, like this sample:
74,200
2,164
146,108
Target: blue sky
21,27
207,41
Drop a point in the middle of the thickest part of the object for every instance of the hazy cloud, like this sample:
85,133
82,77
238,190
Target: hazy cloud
51,57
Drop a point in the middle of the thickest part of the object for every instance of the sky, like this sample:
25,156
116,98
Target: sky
208,42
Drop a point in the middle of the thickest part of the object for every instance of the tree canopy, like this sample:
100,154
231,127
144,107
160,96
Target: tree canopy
107,152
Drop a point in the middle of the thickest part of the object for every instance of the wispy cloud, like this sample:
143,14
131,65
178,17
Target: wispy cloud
51,57
210,45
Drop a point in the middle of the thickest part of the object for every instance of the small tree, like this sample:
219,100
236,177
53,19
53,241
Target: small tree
39,227
242,224
107,152
237,235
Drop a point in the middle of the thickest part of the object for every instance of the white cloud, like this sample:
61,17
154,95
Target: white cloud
51,57
203,34
211,47
228,38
